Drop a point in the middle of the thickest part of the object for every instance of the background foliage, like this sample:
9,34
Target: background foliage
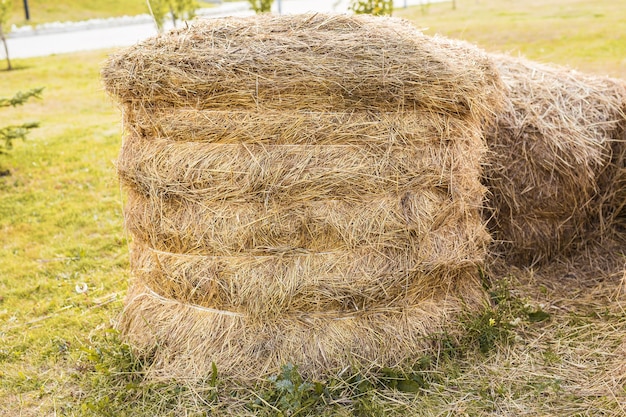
261,6
374,7
16,131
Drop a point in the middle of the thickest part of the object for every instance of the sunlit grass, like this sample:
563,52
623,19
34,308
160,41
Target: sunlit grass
60,221
42,11
583,34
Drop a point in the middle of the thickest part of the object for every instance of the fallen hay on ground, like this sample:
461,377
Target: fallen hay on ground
302,189
556,168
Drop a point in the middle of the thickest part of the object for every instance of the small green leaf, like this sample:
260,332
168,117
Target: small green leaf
408,385
213,374
537,316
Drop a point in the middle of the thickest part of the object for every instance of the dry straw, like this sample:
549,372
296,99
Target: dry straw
313,62
410,223
556,168
266,173
183,340
301,189
264,287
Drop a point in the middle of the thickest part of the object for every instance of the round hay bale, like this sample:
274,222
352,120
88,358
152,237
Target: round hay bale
552,173
301,189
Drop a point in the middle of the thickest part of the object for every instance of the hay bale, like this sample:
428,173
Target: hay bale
613,182
614,186
554,154
301,189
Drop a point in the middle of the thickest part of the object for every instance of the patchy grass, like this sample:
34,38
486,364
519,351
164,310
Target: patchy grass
60,226
550,342
42,11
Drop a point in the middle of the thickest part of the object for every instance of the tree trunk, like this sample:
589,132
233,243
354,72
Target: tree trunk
6,48
173,15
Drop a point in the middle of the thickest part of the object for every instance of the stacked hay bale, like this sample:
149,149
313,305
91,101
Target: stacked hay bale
301,189
557,160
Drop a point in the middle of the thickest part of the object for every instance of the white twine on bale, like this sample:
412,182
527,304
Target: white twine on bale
277,252
151,293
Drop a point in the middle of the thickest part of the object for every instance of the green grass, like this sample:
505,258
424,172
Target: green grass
546,345
60,223
583,34
42,11
66,10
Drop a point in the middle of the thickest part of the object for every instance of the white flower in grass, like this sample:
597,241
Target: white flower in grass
81,288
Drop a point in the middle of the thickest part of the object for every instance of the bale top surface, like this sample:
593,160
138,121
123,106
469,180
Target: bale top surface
312,62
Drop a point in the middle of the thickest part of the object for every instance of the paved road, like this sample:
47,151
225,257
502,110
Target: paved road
109,33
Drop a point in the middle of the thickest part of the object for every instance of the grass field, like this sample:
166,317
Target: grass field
43,11
588,35
552,342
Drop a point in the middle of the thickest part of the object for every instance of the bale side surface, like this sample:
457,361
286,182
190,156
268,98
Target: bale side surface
281,127
549,156
183,341
261,173
294,203
315,62
426,222
267,286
